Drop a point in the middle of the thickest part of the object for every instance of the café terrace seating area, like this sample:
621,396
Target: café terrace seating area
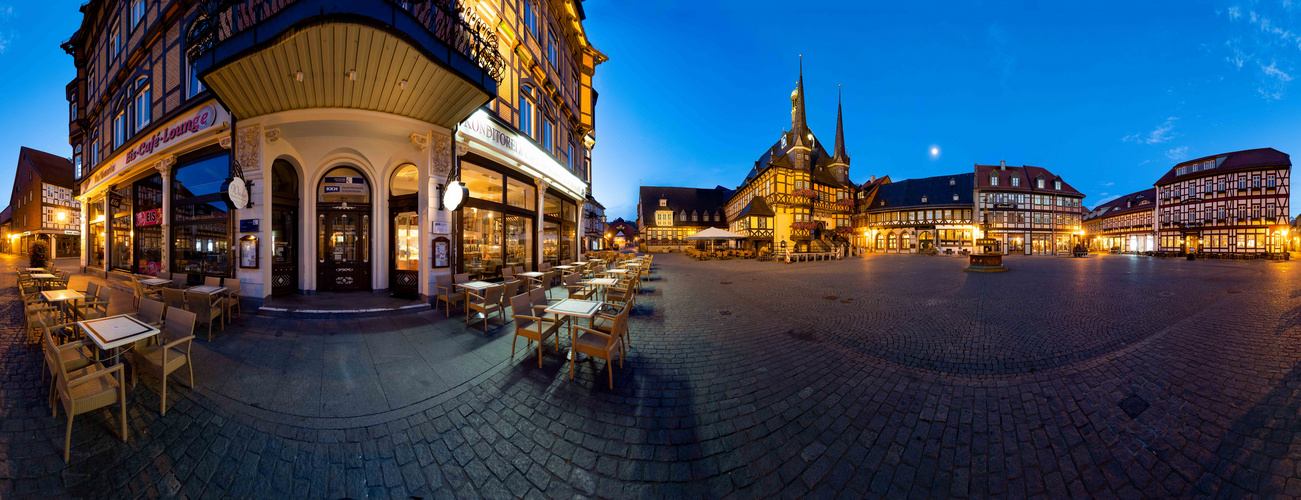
96,349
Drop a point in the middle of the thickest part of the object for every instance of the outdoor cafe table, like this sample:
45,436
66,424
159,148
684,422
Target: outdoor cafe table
532,275
604,283
577,308
477,286
116,331
61,297
210,290
155,282
35,270
43,278
616,271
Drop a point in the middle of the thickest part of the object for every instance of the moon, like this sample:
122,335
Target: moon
935,152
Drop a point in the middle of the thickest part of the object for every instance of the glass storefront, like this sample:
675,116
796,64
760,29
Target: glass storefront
559,228
201,224
120,205
496,222
96,233
148,223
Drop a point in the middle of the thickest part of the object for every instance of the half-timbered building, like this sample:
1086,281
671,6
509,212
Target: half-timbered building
806,190
915,215
668,215
1123,225
1230,203
1029,209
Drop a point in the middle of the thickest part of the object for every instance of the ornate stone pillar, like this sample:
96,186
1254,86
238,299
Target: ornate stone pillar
164,167
537,231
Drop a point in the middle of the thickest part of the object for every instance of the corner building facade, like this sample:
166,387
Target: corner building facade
1231,203
1029,209
346,121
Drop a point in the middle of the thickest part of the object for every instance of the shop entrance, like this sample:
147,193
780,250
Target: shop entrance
284,229
404,215
343,229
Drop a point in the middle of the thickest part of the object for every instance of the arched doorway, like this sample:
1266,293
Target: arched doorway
343,231
924,240
404,215
284,228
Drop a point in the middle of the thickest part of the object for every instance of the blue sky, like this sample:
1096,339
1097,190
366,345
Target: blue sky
1107,94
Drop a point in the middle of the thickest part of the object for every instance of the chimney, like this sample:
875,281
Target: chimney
1002,164
873,179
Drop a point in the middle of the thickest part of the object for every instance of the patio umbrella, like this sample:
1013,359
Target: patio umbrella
714,233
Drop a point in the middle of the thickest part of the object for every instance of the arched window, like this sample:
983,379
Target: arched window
343,185
404,181
905,240
880,242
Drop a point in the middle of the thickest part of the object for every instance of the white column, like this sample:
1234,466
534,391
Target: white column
164,167
580,230
542,191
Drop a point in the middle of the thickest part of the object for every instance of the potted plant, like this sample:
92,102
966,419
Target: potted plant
39,254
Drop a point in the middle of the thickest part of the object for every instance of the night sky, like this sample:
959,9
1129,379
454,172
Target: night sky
1107,94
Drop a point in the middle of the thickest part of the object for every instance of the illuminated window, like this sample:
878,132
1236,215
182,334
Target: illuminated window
119,129
525,111
137,12
530,18
142,105
551,51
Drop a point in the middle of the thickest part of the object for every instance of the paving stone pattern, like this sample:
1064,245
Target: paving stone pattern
884,376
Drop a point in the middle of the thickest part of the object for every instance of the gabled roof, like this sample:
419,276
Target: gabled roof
1027,174
53,169
678,199
1129,203
7,214
758,207
908,193
620,226
1227,162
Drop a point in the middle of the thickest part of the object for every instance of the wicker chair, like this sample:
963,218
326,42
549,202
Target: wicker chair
174,298
232,298
140,292
162,360
151,312
512,288
577,291
211,281
180,280
602,345
487,303
447,293
531,327
208,308
73,355
85,390
93,308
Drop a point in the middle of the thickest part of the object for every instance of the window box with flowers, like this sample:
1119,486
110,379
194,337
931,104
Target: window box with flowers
846,203
844,230
805,193
804,226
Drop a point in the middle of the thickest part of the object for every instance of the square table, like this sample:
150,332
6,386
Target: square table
155,282
577,308
35,269
562,267
617,271
604,283
208,289
62,297
116,331
532,275
477,286
43,277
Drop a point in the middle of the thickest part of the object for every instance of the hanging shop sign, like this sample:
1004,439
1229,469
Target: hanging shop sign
149,217
455,195
483,128
235,193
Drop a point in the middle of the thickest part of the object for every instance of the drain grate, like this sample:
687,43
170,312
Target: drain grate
1133,405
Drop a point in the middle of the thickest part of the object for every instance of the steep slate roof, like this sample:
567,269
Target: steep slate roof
758,207
908,193
698,200
53,169
1028,175
1122,206
7,214
619,225
1228,162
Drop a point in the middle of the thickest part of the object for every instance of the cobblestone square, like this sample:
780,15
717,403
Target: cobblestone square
881,376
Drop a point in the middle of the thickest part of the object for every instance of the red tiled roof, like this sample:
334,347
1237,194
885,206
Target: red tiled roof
1122,206
1028,175
1238,160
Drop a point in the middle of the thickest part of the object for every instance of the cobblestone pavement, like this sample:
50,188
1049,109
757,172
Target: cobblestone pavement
884,376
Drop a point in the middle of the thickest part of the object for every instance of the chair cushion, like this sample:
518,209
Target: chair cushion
153,355
98,386
592,341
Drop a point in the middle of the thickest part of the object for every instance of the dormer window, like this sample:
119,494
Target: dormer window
664,202
1016,180
955,196
953,182
1039,183
1057,185
993,180
695,217
883,203
683,217
923,198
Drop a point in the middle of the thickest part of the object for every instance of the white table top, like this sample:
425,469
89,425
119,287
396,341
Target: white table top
61,295
531,274
206,289
562,267
581,262
600,281
597,260
575,307
477,285
617,271
155,281
35,269
116,331
43,276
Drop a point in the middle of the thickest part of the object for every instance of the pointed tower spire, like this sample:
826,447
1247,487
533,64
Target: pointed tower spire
798,125
839,155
